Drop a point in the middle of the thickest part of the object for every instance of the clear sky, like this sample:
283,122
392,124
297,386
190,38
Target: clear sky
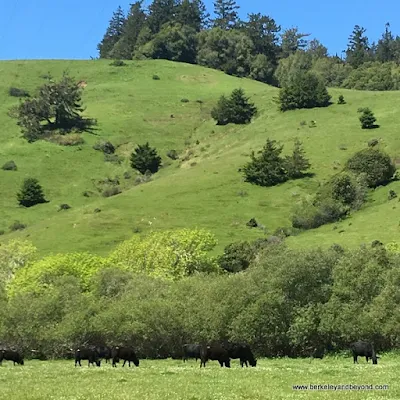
71,29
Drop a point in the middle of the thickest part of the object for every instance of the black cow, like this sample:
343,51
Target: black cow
241,351
363,349
87,353
104,352
191,351
11,355
124,353
214,352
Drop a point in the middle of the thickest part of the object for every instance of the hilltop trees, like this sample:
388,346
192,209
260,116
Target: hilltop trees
145,158
236,109
226,14
358,48
31,193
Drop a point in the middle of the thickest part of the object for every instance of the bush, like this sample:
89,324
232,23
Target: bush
118,63
172,154
367,118
237,109
184,100
9,166
392,195
305,90
144,158
156,77
237,257
17,226
373,142
64,207
70,139
15,92
31,193
111,191
341,100
113,158
106,147
375,164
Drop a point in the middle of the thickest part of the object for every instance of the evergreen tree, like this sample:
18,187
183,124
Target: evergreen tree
221,112
161,12
297,164
124,48
317,49
226,14
113,33
31,193
292,40
145,158
358,48
367,118
192,13
384,48
268,169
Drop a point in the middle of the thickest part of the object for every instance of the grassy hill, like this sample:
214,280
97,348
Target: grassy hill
206,190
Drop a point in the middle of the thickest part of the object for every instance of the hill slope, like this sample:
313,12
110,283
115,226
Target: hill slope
204,191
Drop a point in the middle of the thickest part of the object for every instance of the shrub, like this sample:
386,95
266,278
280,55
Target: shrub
341,100
375,164
17,226
156,77
172,154
367,118
144,178
9,166
15,92
268,169
70,139
392,195
373,142
118,63
237,257
184,100
106,147
237,109
144,158
113,158
31,193
64,207
111,191
305,90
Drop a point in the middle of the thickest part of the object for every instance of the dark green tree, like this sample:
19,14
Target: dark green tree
31,193
317,49
297,164
144,158
384,48
367,118
341,99
192,13
358,48
161,12
135,21
237,109
236,257
226,16
292,40
113,33
268,168
305,90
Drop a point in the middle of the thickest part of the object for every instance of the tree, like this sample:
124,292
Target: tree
384,48
237,109
31,193
367,118
236,257
226,14
317,49
161,12
297,164
192,13
145,158
341,99
268,169
113,33
305,90
358,47
292,40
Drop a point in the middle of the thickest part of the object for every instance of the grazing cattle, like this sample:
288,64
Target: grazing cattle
87,353
363,349
214,352
241,351
11,355
191,351
104,352
124,353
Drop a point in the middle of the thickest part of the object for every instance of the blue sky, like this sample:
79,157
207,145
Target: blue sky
61,29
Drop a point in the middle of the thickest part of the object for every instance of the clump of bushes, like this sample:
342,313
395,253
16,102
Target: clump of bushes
17,226
373,142
113,158
184,100
105,146
172,154
70,139
145,158
64,206
118,63
16,92
156,77
143,178
367,118
236,109
111,191
269,168
236,257
31,193
9,166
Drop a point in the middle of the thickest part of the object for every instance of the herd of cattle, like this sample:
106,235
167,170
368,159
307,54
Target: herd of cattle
221,352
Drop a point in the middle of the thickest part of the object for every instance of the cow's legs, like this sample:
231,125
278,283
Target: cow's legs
355,359
124,363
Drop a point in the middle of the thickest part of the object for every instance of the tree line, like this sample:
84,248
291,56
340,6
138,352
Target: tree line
256,47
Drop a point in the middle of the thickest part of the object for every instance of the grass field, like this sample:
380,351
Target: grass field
172,379
206,190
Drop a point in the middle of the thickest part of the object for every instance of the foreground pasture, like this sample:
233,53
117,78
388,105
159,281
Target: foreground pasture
172,379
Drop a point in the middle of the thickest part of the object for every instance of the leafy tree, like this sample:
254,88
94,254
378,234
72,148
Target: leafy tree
113,33
297,164
262,69
292,40
358,47
237,109
375,165
236,257
289,67
367,118
226,14
31,193
145,158
305,90
267,169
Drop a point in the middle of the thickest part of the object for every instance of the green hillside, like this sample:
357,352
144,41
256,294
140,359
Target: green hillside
206,190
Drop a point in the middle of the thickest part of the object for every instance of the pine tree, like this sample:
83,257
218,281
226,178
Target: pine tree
161,12
367,118
292,40
31,193
226,14
268,169
297,164
145,158
384,48
189,14
113,33
358,48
